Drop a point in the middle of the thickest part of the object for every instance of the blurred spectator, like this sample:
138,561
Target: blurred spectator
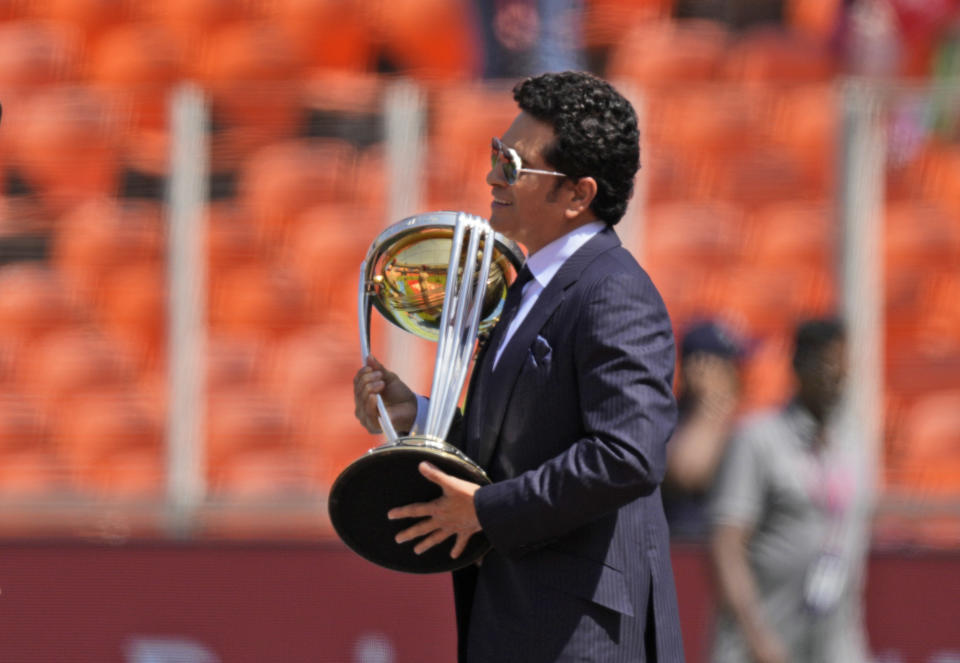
529,37
869,38
708,398
790,522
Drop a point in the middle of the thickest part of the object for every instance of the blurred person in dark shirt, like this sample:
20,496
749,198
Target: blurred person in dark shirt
708,400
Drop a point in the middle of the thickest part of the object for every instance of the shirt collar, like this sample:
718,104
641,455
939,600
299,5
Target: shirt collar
805,425
546,262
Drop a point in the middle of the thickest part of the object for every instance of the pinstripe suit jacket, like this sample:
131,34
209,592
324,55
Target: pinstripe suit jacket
573,433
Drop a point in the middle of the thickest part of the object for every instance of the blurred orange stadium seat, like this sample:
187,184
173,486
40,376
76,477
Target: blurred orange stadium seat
333,437
920,240
29,466
768,379
463,120
233,362
761,175
326,250
371,182
250,60
264,473
131,307
772,299
142,62
701,118
310,367
813,20
690,291
805,121
607,23
89,17
665,52
242,420
795,233
33,303
192,19
247,52
231,237
13,9
930,451
22,424
708,234
941,176
35,54
428,39
467,115
666,175
67,145
312,372
806,113
66,365
281,181
328,33
777,55
256,302
94,239
938,314
113,444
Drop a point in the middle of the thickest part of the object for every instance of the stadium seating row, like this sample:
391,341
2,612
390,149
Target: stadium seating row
737,222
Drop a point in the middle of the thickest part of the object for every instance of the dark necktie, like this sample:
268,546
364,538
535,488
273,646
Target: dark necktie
484,368
510,308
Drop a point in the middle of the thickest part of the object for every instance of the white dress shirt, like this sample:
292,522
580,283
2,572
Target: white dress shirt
544,265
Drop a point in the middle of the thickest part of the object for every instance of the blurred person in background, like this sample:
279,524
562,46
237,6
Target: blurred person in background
791,524
569,409
707,401
528,37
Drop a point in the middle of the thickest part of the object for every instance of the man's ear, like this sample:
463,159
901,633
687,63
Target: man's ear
584,191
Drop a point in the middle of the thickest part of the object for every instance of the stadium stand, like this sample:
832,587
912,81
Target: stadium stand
739,218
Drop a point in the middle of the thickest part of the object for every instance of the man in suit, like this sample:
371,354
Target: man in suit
569,410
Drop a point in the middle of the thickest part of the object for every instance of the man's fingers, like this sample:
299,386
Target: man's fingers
416,531
437,537
415,510
460,545
434,474
367,383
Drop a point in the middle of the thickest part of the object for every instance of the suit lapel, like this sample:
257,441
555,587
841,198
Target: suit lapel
503,378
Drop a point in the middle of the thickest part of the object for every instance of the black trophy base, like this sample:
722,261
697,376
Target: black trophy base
387,477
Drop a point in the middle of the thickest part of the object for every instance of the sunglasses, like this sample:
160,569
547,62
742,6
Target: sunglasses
511,165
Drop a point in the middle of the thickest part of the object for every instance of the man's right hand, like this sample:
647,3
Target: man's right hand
399,399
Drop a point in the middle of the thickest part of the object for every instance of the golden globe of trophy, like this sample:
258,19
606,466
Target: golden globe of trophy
442,276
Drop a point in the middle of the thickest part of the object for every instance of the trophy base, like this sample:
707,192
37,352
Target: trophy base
387,477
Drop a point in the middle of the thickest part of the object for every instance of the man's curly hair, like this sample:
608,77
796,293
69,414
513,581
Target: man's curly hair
596,134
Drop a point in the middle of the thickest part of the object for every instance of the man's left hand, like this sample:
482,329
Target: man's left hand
451,514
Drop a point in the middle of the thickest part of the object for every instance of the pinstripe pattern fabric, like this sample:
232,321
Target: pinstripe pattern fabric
572,428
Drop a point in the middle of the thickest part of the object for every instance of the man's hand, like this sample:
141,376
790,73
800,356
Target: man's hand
401,402
451,514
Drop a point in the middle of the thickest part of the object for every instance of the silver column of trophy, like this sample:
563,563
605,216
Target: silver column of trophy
442,276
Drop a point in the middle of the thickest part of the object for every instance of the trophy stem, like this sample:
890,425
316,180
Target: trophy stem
460,319
364,305
452,310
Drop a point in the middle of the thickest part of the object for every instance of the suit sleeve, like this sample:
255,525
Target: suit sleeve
624,359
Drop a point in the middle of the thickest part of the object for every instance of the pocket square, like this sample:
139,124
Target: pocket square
541,351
